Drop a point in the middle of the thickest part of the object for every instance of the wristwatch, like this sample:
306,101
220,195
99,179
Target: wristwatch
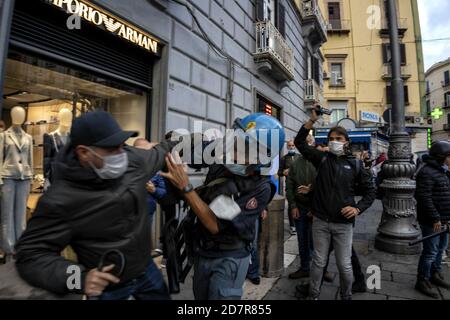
188,188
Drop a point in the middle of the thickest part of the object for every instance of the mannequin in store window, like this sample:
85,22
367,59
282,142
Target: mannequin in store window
55,141
16,173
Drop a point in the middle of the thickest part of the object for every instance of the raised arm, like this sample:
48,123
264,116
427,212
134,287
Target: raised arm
310,153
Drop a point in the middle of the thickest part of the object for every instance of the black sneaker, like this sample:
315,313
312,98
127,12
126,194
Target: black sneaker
438,279
256,281
424,286
359,286
299,274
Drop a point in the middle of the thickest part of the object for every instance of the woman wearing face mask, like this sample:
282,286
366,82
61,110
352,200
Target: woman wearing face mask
333,206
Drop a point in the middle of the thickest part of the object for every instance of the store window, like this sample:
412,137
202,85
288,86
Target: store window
43,88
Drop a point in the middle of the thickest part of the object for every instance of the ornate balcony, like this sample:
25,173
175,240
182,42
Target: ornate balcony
273,54
338,26
313,92
314,26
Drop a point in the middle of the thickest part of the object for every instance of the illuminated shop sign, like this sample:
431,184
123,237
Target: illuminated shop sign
108,22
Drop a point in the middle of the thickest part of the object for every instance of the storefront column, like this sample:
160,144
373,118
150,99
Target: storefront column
6,13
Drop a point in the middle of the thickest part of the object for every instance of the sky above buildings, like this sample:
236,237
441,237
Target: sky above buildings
435,24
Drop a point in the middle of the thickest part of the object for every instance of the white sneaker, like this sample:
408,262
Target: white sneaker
293,231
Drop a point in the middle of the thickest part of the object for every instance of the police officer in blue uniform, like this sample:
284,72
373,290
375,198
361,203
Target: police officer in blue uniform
226,207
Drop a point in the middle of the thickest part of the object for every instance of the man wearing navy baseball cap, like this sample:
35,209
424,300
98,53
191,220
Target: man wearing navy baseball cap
97,205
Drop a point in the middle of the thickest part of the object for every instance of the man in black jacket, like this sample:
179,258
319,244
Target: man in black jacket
333,204
433,210
97,203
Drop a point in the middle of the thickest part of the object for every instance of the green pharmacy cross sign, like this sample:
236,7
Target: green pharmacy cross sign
437,113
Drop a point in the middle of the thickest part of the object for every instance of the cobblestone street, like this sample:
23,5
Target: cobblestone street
398,273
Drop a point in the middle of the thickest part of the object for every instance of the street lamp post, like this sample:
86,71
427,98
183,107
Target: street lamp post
398,224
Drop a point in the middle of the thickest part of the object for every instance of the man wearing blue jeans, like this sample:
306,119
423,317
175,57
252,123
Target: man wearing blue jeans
253,269
433,210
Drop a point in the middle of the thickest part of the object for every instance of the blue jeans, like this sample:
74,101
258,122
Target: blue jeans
303,226
148,286
430,260
219,278
253,268
14,210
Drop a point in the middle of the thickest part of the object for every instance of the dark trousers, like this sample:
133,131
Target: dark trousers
303,225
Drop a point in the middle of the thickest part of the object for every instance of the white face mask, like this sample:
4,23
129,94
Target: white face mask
113,166
337,147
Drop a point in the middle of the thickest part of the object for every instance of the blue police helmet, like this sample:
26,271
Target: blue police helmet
261,127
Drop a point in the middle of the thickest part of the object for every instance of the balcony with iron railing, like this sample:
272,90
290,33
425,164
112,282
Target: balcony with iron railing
314,25
338,26
273,54
387,72
402,27
313,92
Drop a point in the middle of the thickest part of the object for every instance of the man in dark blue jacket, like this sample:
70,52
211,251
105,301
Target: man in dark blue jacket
433,210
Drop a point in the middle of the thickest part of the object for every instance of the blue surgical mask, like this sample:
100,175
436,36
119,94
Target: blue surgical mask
113,166
237,169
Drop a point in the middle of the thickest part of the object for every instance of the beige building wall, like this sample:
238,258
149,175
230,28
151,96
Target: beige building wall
359,46
435,98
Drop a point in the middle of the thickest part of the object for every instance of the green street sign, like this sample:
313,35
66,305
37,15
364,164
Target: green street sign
429,141
437,113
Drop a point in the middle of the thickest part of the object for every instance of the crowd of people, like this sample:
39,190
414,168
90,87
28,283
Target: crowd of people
104,195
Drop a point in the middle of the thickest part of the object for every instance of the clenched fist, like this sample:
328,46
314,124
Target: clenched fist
96,281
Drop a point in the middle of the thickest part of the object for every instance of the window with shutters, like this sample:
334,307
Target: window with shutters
446,78
387,57
334,15
389,95
337,74
273,11
447,99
